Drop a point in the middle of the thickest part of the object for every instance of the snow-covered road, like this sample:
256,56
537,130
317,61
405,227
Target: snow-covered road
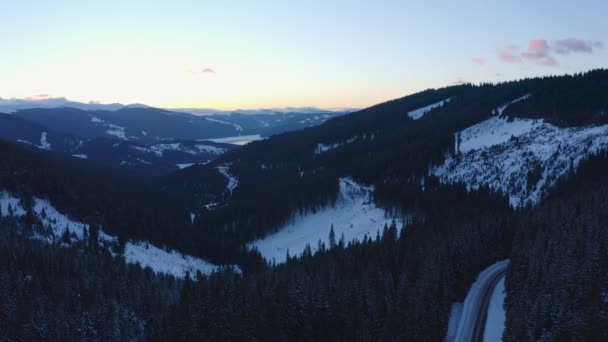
476,309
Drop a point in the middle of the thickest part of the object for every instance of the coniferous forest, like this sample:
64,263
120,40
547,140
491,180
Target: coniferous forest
396,286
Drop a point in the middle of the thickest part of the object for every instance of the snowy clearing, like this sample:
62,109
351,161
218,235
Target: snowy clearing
184,165
322,148
418,113
81,156
354,216
136,252
116,131
166,261
233,182
44,144
521,158
494,131
237,140
160,149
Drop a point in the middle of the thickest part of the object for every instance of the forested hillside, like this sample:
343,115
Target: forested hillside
397,285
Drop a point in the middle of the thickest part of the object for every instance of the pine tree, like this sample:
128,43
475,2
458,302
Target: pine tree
332,237
66,236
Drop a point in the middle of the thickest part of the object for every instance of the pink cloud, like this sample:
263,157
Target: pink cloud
566,46
509,57
478,60
542,51
548,61
208,71
460,81
538,49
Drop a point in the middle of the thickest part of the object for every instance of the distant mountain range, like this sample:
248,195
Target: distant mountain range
143,138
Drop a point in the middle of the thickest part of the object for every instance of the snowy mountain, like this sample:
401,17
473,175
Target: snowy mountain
146,124
521,158
154,159
12,105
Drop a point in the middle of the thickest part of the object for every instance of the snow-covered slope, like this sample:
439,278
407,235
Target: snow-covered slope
136,252
354,216
418,113
322,148
519,157
233,182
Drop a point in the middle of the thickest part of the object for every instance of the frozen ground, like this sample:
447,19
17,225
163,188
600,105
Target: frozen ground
420,112
521,158
160,260
354,216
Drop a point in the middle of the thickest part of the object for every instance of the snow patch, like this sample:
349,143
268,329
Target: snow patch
44,144
116,131
322,148
503,107
494,131
81,156
521,158
184,165
354,216
233,182
237,140
166,261
418,113
136,252
159,149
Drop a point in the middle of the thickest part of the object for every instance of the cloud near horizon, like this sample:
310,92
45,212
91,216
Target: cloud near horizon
541,51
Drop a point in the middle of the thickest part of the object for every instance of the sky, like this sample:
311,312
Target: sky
270,54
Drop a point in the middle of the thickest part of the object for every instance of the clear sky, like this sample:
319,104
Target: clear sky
254,54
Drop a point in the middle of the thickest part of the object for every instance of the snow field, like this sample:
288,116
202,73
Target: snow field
354,216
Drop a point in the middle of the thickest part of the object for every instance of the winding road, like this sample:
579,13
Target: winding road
475,310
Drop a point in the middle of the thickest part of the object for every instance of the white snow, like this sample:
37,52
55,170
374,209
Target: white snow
159,149
322,148
116,131
184,165
96,119
495,321
501,154
418,113
503,107
136,252
166,261
210,149
354,216
474,299
233,182
7,200
44,144
496,130
237,140
81,156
